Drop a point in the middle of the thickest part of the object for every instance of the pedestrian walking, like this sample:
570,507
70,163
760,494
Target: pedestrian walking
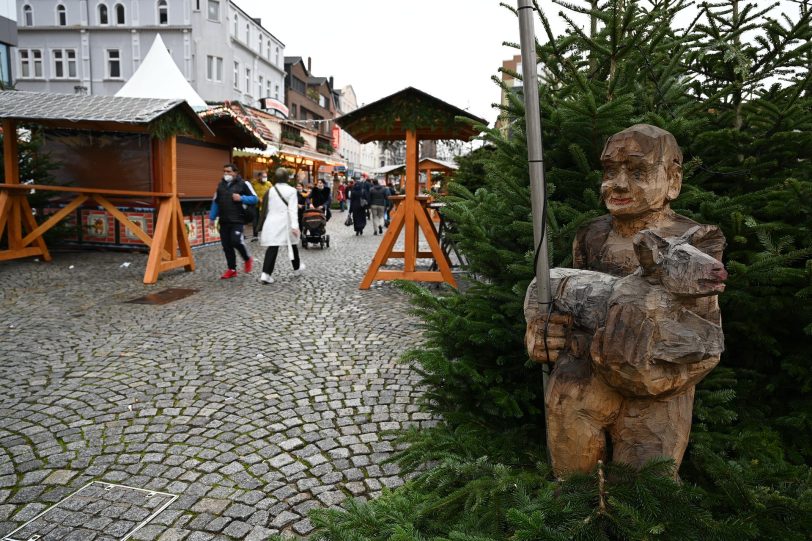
260,184
342,196
358,207
320,198
279,225
228,204
377,206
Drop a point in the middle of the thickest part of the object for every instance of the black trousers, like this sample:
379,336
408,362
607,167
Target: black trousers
270,259
231,237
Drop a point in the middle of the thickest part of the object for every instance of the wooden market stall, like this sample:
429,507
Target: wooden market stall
111,149
412,115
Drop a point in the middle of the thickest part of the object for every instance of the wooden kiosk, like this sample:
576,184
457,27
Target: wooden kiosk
160,121
412,115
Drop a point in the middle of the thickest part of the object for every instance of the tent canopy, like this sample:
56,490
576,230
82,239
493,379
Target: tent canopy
389,118
159,77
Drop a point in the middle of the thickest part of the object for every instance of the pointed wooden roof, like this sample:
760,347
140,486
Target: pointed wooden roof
389,118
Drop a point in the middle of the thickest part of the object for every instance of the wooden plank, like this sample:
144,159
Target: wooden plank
31,225
158,241
31,251
79,189
175,263
398,254
54,219
416,276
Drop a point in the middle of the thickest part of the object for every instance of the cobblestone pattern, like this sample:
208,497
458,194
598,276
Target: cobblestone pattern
253,403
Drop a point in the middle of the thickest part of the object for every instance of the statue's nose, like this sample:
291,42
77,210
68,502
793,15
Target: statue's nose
720,273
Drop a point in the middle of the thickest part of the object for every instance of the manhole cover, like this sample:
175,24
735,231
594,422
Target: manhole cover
96,512
165,296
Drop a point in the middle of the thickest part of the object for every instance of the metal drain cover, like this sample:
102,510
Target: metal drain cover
165,296
96,512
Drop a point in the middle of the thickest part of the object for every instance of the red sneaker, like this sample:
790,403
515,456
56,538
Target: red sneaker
230,273
249,264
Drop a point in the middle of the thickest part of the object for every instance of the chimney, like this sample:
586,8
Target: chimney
257,20
308,66
331,82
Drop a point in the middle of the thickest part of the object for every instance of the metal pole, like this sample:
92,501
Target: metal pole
535,157
535,160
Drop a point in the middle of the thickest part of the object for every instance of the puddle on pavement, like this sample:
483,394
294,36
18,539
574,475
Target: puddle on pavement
165,296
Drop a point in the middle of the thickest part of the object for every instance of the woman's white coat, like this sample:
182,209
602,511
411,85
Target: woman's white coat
280,219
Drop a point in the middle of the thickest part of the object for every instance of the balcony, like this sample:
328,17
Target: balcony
292,136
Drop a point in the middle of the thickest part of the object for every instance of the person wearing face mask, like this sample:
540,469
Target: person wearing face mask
260,184
228,205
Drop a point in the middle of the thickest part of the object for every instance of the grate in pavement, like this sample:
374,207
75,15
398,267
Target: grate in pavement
96,512
165,296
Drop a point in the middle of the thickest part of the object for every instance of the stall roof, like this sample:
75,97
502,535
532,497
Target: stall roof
89,112
233,122
424,164
389,118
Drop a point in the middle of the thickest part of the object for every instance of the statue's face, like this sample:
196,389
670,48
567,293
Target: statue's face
634,182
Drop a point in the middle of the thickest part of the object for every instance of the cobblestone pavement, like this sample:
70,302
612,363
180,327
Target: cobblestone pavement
254,404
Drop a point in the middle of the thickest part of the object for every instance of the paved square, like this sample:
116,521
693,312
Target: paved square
253,403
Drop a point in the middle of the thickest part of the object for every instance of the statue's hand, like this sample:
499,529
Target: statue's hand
557,332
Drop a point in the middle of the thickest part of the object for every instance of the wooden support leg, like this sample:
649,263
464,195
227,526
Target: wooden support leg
14,225
440,257
183,239
5,210
384,249
410,242
158,242
31,225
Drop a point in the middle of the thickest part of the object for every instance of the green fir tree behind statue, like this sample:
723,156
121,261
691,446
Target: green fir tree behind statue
732,83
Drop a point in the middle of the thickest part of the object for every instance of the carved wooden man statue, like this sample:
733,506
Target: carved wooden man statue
628,378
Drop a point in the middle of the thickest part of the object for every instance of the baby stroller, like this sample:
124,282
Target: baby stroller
314,228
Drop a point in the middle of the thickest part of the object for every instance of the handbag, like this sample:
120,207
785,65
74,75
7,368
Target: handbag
364,203
348,221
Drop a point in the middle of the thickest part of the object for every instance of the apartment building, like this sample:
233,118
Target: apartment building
94,46
8,40
361,158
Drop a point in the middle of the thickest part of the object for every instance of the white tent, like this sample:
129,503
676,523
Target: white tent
159,77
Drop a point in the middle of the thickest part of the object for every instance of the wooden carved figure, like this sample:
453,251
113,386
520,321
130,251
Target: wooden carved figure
629,351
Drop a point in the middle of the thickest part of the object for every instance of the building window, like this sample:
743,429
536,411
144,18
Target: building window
292,110
30,63
61,16
120,18
298,85
237,75
64,63
103,14
5,64
276,56
236,25
214,69
260,44
260,84
28,16
247,80
113,64
247,33
323,101
276,91
163,12
214,10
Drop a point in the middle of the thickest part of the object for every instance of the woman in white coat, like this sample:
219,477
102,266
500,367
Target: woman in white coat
279,225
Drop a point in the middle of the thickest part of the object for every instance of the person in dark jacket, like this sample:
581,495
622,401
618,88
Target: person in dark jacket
320,198
358,205
301,197
228,204
377,206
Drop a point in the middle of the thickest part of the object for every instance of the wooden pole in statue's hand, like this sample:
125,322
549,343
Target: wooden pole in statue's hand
535,161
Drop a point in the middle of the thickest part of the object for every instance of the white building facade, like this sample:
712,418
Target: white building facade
360,158
94,46
8,40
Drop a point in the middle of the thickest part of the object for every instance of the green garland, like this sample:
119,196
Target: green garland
174,123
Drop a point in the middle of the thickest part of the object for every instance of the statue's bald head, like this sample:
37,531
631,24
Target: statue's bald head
643,140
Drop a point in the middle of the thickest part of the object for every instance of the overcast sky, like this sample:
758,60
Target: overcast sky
448,48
